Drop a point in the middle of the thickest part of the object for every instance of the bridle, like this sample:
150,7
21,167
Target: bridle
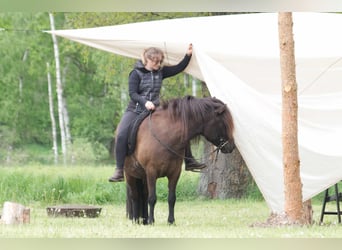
222,143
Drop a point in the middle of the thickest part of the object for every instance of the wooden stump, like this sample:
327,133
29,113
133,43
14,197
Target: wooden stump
14,213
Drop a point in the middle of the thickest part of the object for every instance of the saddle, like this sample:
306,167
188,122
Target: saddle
133,130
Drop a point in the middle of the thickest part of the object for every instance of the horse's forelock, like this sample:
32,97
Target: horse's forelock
222,109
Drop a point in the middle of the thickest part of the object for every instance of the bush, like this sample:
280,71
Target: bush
89,185
54,185
83,152
80,151
51,185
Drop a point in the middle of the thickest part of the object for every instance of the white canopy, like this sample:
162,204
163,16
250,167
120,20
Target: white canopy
238,58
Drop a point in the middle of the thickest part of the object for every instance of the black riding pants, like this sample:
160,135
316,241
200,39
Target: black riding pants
121,142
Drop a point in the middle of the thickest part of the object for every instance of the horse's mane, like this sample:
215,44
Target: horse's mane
199,110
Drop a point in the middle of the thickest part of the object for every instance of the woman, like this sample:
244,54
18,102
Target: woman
145,82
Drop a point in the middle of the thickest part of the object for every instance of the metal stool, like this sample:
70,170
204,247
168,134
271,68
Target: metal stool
328,198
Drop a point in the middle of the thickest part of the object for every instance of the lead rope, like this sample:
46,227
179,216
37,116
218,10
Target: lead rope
176,153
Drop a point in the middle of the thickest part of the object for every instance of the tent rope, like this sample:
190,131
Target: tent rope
319,76
166,53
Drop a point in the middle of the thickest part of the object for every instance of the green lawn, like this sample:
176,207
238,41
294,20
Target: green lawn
41,186
194,219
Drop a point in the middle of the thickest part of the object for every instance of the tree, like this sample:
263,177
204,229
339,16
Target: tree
52,115
97,89
59,88
294,208
65,109
225,177
25,55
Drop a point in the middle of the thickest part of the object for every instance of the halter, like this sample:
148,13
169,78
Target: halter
217,149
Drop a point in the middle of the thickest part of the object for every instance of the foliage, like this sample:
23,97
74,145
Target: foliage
83,184
19,62
82,151
85,153
95,82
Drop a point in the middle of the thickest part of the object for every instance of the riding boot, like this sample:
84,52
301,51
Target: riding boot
117,176
190,163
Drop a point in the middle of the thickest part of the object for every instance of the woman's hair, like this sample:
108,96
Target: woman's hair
152,53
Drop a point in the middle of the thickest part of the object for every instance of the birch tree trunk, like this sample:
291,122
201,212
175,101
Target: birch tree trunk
52,116
294,209
21,77
194,87
65,107
186,80
59,90
66,122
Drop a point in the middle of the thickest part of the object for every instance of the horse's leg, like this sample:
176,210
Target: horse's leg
152,197
172,198
145,204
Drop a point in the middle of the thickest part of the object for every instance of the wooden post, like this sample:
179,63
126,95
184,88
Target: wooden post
296,211
14,213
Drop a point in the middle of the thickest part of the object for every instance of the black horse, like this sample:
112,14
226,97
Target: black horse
160,145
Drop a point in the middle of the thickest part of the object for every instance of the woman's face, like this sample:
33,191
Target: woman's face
153,62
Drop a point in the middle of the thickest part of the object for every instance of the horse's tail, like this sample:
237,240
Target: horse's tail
129,205
142,202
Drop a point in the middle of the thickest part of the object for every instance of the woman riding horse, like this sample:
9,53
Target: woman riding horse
161,143
145,82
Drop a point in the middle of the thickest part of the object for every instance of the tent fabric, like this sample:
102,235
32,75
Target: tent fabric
238,58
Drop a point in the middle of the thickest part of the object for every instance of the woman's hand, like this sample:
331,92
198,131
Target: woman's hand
149,105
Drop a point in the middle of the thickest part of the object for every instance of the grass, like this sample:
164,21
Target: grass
56,185
194,219
39,186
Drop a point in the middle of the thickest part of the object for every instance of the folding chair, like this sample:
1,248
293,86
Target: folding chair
336,196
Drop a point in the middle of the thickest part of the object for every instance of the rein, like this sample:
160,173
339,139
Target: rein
218,148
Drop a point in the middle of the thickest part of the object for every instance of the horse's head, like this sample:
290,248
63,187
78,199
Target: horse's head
209,117
218,129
